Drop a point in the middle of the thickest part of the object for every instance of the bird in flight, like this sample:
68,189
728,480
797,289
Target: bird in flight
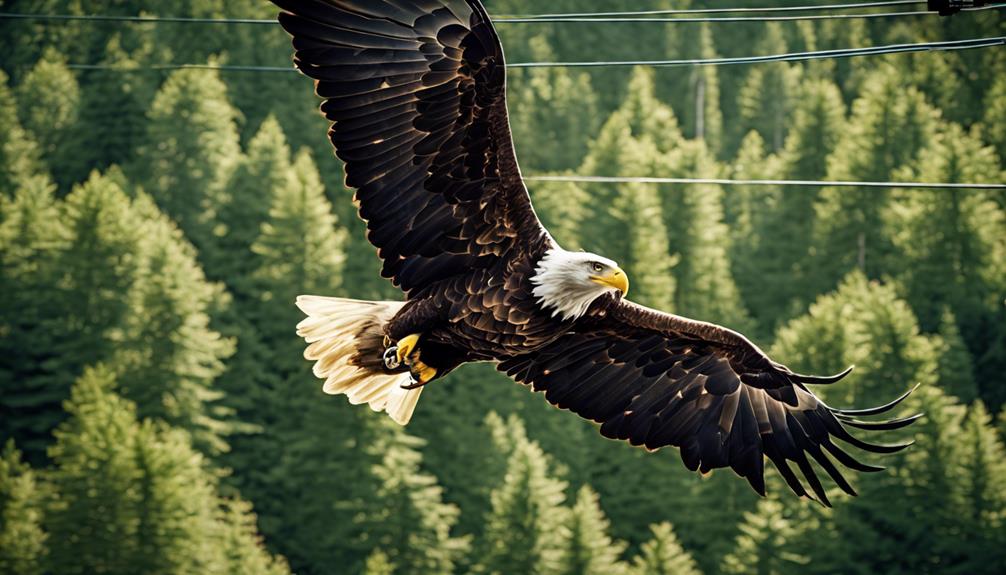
416,93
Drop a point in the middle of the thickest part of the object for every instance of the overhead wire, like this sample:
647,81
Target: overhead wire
579,17
969,44
742,182
771,9
626,18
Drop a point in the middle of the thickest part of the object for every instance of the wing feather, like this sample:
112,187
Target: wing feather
657,380
416,92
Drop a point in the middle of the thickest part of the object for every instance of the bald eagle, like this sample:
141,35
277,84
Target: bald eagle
415,91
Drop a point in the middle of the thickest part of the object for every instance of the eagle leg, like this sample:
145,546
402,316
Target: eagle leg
406,351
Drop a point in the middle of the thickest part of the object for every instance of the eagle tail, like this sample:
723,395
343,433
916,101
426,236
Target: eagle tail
346,342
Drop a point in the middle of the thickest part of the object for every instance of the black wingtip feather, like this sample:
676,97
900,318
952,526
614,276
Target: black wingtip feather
880,409
819,380
888,425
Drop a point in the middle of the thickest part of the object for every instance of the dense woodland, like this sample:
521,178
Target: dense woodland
156,226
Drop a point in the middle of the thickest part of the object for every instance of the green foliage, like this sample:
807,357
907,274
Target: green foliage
22,541
129,292
995,116
523,532
263,171
132,495
191,150
888,129
378,564
864,324
588,548
48,104
19,154
761,548
768,96
663,555
956,369
96,273
554,113
413,524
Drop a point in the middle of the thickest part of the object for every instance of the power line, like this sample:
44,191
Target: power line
732,182
584,17
790,57
726,19
970,44
735,10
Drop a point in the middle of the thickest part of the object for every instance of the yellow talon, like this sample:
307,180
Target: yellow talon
426,373
405,347
421,374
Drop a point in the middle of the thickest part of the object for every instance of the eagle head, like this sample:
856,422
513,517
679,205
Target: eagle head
566,283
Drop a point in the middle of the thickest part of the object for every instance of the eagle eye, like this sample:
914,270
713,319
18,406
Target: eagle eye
596,267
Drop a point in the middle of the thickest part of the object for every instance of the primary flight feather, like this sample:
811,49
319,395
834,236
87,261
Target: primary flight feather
416,92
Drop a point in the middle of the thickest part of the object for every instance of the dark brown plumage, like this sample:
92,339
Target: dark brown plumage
415,90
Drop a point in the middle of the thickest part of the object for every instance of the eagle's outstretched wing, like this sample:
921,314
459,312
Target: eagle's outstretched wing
656,379
416,93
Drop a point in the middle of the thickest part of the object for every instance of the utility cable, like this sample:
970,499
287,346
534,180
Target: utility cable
583,17
733,182
969,44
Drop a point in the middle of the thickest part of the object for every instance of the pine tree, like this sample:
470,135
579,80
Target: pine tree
191,151
984,492
263,170
523,532
22,541
768,95
413,525
663,555
818,127
648,261
888,129
562,208
914,505
763,546
310,470
128,293
169,356
700,240
93,525
553,113
20,157
242,546
751,218
112,104
995,117
956,368
865,324
632,230
133,496
300,251
30,230
951,234
48,103
588,549
696,95
378,564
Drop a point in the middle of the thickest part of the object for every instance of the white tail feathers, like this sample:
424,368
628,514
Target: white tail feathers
338,330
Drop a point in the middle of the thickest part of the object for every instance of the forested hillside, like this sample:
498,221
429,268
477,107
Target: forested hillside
156,225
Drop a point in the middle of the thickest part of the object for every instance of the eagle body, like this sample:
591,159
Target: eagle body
416,94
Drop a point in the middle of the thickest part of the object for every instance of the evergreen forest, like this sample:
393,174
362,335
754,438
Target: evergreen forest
157,223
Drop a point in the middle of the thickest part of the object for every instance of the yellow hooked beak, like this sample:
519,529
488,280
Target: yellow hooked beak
616,278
